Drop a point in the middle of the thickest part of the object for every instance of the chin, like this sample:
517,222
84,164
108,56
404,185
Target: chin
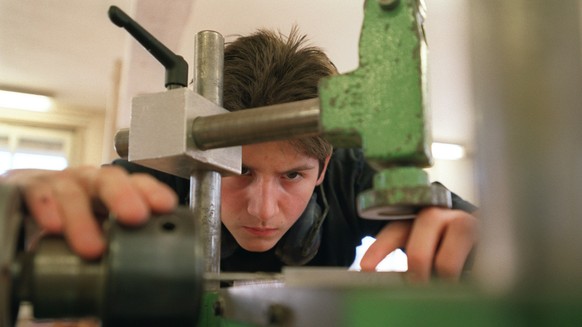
257,245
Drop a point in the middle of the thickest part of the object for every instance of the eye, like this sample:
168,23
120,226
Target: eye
293,175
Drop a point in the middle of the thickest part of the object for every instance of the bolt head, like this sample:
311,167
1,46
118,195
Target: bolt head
388,4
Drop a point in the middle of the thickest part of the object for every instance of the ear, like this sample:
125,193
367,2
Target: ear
323,170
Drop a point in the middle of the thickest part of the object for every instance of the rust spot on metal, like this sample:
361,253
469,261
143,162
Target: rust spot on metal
332,101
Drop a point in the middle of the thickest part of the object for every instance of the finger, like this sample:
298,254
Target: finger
38,196
422,245
390,238
159,196
43,206
80,226
113,186
458,241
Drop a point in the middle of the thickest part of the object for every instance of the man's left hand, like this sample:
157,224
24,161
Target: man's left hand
438,241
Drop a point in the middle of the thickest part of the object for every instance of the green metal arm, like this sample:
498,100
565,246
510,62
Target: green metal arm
381,107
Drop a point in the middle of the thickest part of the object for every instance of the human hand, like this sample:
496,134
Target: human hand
437,241
69,201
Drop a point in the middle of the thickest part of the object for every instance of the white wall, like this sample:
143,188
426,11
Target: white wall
450,94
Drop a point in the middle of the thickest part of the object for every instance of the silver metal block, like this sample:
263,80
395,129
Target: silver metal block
309,296
160,135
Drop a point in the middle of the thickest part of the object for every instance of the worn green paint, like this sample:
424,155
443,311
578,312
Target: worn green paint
380,106
405,188
400,177
210,316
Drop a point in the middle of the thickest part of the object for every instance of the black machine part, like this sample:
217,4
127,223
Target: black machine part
10,222
176,66
150,276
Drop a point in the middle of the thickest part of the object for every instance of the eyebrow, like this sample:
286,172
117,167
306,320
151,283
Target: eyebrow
294,169
299,168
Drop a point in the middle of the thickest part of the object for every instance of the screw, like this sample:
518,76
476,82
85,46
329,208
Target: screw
388,4
278,315
218,308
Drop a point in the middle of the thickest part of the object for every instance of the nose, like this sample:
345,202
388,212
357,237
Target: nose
262,202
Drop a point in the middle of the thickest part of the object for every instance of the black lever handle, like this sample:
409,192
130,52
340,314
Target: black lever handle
176,66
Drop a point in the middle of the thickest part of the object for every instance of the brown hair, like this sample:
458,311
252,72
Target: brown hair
267,68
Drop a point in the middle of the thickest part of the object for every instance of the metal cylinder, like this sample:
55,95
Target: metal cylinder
62,284
528,81
150,276
269,123
209,65
154,273
205,202
294,119
121,142
205,184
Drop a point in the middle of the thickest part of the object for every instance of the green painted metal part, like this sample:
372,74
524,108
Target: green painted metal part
400,193
458,306
381,105
211,314
406,176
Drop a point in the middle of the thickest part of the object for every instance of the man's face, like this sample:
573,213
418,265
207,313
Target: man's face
276,184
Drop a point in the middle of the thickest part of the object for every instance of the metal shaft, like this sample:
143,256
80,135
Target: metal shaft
270,123
209,65
121,140
205,184
294,119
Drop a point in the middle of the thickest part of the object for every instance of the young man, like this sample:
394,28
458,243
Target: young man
294,203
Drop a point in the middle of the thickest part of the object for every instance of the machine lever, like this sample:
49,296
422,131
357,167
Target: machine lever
176,66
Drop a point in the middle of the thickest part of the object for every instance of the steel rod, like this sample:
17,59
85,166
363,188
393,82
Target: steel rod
205,184
294,119
270,123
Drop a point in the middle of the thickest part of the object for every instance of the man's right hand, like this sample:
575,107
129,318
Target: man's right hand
69,201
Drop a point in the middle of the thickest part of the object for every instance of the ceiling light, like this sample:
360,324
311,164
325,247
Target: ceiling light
447,151
24,101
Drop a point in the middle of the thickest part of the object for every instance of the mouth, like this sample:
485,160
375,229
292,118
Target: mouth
260,231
